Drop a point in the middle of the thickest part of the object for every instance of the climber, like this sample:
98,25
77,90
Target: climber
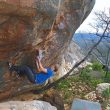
40,75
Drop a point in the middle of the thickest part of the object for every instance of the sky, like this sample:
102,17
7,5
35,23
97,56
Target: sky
99,5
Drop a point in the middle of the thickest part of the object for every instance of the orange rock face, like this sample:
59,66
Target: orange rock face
29,24
22,3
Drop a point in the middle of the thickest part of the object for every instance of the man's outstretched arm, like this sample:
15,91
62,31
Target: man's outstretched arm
37,66
41,66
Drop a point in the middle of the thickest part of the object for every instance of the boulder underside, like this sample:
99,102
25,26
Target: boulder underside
29,24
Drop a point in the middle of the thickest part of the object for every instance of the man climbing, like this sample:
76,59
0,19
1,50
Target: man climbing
40,75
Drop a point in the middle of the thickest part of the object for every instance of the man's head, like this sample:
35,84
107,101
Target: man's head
54,67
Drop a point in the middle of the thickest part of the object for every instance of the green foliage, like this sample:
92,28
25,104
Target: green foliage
67,94
107,78
97,66
84,74
66,83
95,81
88,78
106,93
106,97
63,84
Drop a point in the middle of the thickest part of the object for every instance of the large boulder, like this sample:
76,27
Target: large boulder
26,105
102,87
29,24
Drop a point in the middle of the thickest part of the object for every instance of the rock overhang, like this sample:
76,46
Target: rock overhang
45,24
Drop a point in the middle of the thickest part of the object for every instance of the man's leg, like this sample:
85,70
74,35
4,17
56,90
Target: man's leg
28,72
25,70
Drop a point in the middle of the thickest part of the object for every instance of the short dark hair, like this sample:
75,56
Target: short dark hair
55,68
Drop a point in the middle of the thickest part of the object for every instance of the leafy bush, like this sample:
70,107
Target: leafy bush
84,73
63,84
106,97
85,76
94,82
106,93
97,66
107,78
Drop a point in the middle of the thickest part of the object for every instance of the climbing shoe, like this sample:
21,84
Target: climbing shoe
10,65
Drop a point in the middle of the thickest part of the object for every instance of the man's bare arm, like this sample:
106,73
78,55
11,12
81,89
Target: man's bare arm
41,67
37,66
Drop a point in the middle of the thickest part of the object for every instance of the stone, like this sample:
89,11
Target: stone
108,105
26,105
29,24
91,96
101,87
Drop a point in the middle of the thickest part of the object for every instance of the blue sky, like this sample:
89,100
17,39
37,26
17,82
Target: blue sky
99,5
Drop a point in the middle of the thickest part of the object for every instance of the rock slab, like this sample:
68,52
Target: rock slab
26,105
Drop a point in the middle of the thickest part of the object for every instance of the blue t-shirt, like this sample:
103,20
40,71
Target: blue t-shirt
41,76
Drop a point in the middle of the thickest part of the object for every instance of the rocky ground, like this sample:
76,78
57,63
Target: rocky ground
68,90
83,86
74,88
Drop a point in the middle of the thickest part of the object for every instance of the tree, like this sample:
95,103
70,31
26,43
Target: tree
102,29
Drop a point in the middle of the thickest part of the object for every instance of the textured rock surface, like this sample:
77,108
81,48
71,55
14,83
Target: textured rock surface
71,56
26,105
91,96
29,24
102,87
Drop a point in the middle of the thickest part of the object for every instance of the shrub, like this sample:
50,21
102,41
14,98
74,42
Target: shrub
106,93
85,76
94,82
63,84
97,66
84,73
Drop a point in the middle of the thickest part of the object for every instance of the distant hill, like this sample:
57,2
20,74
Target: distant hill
85,38
80,38
86,41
